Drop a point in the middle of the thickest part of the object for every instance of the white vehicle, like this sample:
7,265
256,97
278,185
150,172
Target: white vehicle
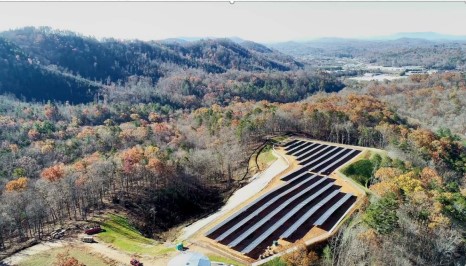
87,239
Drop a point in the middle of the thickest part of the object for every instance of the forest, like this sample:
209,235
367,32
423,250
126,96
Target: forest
434,101
167,130
433,54
42,63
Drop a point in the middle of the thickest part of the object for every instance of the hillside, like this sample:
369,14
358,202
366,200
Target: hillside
167,168
436,101
56,59
25,77
162,134
402,51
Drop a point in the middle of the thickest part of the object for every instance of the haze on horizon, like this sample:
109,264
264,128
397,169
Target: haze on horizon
257,21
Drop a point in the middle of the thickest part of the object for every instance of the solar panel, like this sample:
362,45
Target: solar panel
294,174
303,176
263,207
271,229
320,156
309,154
305,146
308,214
245,208
290,143
283,187
323,158
328,159
306,154
294,145
276,211
332,167
308,148
337,216
297,147
340,159
298,176
330,211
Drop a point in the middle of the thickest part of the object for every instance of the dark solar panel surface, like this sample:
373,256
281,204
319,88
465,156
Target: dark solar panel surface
308,198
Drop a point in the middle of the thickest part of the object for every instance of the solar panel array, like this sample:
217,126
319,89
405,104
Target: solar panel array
308,198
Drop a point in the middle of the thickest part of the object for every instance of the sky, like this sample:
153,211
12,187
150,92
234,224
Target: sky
257,21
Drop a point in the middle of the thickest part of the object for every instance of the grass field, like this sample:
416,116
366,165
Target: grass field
49,257
266,157
275,262
122,235
279,138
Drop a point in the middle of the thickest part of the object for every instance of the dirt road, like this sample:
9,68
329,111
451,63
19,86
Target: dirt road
104,250
31,251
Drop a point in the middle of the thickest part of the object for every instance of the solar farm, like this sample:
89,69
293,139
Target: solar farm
308,200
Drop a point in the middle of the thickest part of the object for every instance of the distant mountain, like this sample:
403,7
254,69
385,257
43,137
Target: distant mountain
195,39
50,57
399,51
431,36
256,47
173,40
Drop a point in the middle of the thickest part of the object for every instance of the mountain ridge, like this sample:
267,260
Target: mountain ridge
113,61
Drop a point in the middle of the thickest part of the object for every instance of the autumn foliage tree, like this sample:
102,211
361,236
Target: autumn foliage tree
64,259
53,173
131,158
301,256
17,184
387,173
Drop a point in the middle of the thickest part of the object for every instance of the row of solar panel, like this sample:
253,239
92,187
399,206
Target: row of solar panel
282,213
292,209
318,158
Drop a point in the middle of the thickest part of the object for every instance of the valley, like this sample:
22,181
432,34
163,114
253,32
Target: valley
277,150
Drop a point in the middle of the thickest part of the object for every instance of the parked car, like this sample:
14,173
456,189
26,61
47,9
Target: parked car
57,234
93,230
